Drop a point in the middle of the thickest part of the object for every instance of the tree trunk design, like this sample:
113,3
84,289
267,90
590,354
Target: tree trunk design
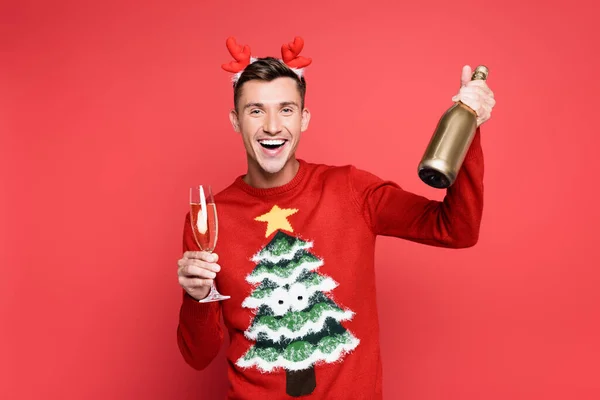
300,383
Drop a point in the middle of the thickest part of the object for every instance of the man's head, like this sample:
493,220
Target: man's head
269,113
267,69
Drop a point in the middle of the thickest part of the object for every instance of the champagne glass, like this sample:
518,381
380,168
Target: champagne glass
205,226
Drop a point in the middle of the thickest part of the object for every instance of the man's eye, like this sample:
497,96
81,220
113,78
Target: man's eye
255,111
287,110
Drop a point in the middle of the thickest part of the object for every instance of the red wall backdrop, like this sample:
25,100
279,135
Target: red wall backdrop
109,110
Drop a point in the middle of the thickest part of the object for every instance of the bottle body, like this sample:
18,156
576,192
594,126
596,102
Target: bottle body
450,143
448,147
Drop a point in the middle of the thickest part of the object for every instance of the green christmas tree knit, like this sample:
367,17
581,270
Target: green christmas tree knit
296,326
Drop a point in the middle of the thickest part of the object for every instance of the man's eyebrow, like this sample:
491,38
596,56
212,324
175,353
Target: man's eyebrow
288,103
259,105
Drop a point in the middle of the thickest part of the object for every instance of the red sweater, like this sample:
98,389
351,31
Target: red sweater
298,263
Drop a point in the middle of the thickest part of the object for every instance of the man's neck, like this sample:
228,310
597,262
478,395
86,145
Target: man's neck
260,179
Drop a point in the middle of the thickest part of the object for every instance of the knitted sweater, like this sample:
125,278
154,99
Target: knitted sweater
298,263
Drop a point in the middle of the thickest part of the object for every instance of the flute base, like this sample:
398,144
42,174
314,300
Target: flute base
214,295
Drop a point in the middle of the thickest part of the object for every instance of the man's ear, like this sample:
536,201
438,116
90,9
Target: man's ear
235,122
305,119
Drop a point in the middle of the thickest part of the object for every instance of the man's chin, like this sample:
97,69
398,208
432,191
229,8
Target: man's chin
274,166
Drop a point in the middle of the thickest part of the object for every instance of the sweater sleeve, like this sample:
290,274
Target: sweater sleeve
454,222
199,333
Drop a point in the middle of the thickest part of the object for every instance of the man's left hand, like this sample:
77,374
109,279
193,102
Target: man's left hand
475,94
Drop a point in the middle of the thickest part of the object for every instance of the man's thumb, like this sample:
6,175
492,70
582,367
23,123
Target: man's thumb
466,75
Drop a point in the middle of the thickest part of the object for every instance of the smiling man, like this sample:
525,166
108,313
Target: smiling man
270,115
297,246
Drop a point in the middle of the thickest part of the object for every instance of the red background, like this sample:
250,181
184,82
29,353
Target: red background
110,110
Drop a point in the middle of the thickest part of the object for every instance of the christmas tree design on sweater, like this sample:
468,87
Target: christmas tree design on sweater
296,326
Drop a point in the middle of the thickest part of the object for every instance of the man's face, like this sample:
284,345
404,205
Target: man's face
270,120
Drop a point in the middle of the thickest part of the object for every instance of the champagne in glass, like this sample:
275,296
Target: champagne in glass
205,227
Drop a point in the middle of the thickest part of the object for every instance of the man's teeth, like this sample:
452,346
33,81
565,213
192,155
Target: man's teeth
272,142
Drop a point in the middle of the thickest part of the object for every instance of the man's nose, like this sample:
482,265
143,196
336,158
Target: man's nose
272,124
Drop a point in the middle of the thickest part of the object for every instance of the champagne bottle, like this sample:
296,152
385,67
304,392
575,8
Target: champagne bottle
450,142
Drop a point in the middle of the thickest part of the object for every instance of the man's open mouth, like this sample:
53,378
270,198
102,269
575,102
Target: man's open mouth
272,144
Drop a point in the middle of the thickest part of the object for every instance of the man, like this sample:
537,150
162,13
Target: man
297,242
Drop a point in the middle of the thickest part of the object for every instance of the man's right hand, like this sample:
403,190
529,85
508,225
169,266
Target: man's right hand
196,272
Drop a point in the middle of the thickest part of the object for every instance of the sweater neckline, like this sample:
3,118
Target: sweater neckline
259,192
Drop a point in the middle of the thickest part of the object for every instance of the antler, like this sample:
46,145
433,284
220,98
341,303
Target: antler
241,56
290,51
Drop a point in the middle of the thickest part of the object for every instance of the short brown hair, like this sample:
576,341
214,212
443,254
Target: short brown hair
267,69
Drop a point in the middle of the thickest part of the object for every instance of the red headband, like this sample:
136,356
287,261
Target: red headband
289,55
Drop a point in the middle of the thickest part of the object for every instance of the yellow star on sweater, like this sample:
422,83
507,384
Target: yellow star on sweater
277,219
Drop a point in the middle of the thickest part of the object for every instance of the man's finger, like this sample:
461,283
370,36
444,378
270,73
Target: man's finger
473,90
481,85
201,255
195,271
206,265
490,101
194,283
194,254
466,75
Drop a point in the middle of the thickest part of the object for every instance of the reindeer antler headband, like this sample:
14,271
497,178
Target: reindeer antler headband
289,55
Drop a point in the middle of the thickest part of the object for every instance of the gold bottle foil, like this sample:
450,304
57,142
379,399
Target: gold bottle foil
450,142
